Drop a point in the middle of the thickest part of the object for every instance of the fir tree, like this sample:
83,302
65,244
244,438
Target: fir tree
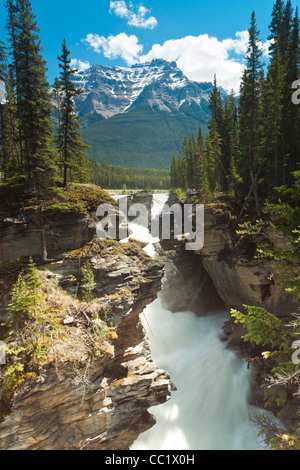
33,97
213,158
234,179
72,149
174,173
9,152
57,96
250,106
216,107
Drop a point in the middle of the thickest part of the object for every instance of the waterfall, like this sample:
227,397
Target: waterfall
209,410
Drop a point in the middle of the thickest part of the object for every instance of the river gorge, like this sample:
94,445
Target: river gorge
173,374
210,408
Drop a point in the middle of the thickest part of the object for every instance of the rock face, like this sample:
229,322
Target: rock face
104,403
239,278
20,236
137,117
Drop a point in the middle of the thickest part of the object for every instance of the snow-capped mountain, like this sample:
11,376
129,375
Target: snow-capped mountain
138,116
113,90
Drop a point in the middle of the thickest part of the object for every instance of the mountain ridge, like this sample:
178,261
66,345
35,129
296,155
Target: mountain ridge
139,115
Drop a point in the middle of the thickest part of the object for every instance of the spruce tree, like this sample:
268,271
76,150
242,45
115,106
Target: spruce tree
249,108
72,149
230,143
216,107
202,178
9,152
291,113
214,158
280,118
33,97
174,173
234,180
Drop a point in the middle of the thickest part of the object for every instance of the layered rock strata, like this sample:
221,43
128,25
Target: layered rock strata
103,404
228,261
20,236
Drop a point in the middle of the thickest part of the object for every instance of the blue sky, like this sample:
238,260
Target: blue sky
204,37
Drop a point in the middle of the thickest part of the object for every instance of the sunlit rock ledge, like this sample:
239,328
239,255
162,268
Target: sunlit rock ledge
78,400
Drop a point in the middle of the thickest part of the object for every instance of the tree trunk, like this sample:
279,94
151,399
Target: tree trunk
44,254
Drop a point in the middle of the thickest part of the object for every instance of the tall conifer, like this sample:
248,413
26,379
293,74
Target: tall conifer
72,149
250,106
33,96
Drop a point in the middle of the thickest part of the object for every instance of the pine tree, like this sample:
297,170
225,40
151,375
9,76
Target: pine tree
234,179
9,152
276,24
174,173
250,106
33,97
213,158
216,107
72,149
291,114
3,117
230,143
202,171
182,172
57,96
280,119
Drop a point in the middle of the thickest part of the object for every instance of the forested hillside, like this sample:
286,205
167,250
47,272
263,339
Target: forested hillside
251,160
116,177
31,153
253,143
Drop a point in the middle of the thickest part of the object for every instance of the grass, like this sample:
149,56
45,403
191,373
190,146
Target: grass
103,247
75,197
41,337
78,198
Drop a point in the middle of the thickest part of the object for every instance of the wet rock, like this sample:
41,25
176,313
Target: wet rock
105,404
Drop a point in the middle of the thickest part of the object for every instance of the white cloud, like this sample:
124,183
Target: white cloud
80,65
265,47
200,57
122,45
138,19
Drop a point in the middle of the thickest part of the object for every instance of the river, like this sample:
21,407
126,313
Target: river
210,408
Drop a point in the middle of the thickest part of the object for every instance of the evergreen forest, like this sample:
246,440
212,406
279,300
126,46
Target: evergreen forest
249,157
32,152
253,142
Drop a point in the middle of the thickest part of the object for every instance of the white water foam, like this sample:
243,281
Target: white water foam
209,410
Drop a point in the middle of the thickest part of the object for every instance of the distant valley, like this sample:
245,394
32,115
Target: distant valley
138,116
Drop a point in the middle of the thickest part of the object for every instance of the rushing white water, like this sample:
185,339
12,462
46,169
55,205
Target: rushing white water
209,410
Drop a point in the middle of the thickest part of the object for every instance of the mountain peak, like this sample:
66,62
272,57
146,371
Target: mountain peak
115,90
137,116
157,63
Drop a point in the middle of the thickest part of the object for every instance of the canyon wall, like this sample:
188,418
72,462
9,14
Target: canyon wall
226,271
79,399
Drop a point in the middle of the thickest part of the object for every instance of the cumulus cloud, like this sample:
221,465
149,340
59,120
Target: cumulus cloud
80,65
112,47
138,19
200,57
